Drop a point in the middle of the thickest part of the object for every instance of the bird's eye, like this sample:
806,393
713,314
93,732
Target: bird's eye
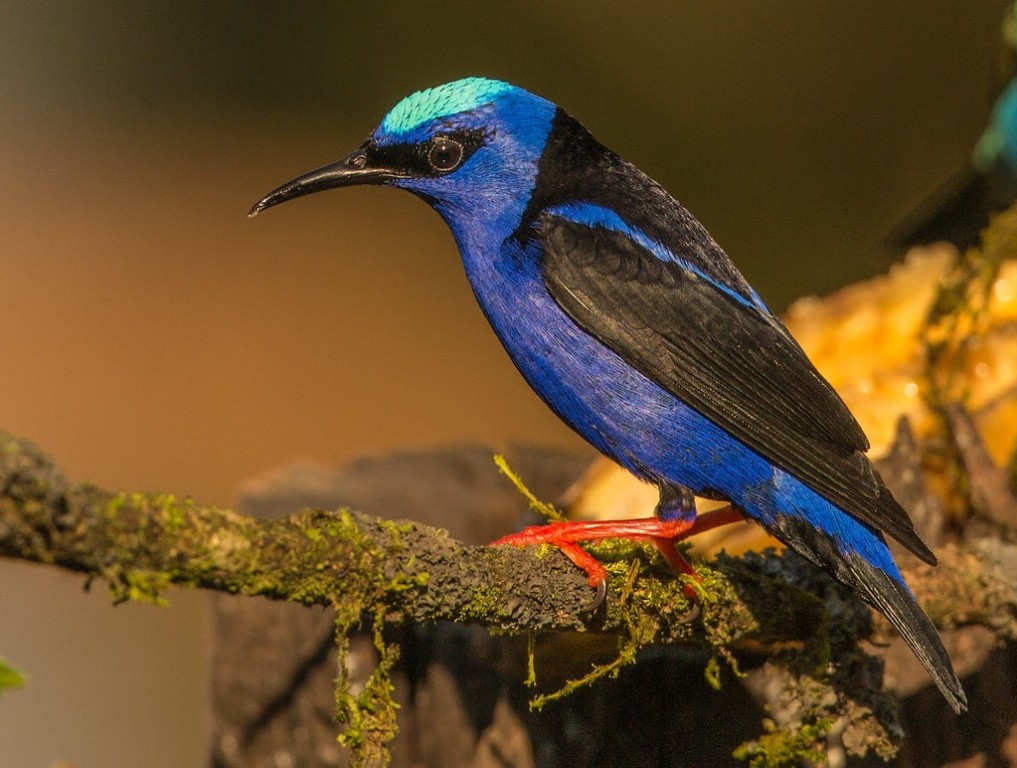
445,154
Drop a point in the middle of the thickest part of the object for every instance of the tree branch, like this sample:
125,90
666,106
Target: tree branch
142,543
772,605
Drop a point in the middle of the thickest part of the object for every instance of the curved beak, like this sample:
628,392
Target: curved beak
355,168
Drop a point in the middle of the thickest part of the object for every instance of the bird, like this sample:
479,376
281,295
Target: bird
633,325
959,210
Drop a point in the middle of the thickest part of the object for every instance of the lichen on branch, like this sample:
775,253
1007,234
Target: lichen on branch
766,605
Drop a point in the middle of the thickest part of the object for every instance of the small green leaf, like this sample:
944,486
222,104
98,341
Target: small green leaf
9,676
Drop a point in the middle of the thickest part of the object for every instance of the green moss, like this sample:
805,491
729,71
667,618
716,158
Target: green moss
9,676
369,718
549,511
781,748
176,517
139,586
645,605
712,673
486,601
314,535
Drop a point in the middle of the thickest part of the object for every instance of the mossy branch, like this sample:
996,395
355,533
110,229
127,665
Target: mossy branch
142,543
767,605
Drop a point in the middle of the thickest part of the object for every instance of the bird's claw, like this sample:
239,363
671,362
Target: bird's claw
600,593
697,609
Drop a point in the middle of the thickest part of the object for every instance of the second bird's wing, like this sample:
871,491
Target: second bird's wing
726,358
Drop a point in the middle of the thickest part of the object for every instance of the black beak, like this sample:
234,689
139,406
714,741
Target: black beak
355,168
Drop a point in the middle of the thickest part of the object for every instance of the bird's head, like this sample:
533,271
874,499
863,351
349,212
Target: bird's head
471,148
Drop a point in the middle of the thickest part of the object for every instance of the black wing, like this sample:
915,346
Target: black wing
733,363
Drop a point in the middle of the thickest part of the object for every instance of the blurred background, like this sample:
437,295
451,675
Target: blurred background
153,338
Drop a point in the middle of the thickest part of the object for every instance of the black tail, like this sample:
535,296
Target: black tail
894,600
883,592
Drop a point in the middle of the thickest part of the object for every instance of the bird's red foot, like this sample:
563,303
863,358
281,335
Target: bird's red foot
663,533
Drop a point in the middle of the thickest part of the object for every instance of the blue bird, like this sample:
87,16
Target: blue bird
634,326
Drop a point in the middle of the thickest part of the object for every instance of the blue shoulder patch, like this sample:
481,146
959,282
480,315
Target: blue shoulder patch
448,99
592,215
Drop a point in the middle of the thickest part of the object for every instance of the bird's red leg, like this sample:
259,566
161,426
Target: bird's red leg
564,535
663,533
705,522
596,572
715,518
